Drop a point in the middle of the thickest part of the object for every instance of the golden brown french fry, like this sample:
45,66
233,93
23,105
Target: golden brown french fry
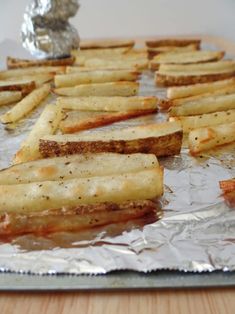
76,166
26,105
30,71
46,124
175,42
205,120
109,43
40,196
100,89
207,138
102,103
39,79
26,86
79,69
198,89
75,121
14,63
163,139
154,51
204,105
9,97
76,219
139,64
99,76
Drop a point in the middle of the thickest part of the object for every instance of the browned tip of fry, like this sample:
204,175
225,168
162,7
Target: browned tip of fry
14,63
26,87
172,42
227,185
93,44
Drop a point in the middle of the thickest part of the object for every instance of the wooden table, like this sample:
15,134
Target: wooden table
198,301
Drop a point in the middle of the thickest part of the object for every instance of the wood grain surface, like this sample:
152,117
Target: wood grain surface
200,301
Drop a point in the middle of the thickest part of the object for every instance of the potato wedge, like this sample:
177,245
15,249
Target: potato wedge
46,124
99,76
102,103
204,105
207,138
99,52
75,121
26,86
40,196
76,166
9,97
175,42
198,89
139,63
205,120
154,51
163,139
14,63
30,71
80,217
26,105
106,43
100,89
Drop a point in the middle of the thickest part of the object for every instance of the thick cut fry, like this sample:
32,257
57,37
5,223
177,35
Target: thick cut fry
157,50
129,56
163,139
75,121
74,219
46,124
204,105
39,79
208,138
77,69
100,89
26,105
185,58
77,166
14,63
227,185
117,103
198,89
175,42
9,97
26,86
210,119
99,76
139,64
40,196
109,43
30,71
100,52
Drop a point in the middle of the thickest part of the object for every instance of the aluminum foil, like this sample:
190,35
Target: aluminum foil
196,231
46,32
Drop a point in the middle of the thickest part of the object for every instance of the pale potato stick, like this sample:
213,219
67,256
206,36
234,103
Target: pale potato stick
109,43
102,103
14,63
26,105
30,71
75,121
39,196
197,89
157,50
205,120
46,124
175,42
163,139
227,185
17,86
78,69
207,138
9,97
39,79
107,59
78,218
77,166
205,105
99,76
100,89
99,52
139,64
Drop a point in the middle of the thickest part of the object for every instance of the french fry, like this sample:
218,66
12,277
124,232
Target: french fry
9,97
100,52
14,63
75,121
204,105
78,218
101,44
139,64
205,120
46,124
26,105
163,139
102,103
26,86
198,89
76,166
100,89
175,42
207,138
79,69
200,56
157,50
99,76
39,79
40,196
30,71
227,185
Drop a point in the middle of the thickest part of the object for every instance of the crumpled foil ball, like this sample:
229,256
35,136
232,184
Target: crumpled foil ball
46,32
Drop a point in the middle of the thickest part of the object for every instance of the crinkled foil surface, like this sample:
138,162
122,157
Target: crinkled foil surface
46,32
196,232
